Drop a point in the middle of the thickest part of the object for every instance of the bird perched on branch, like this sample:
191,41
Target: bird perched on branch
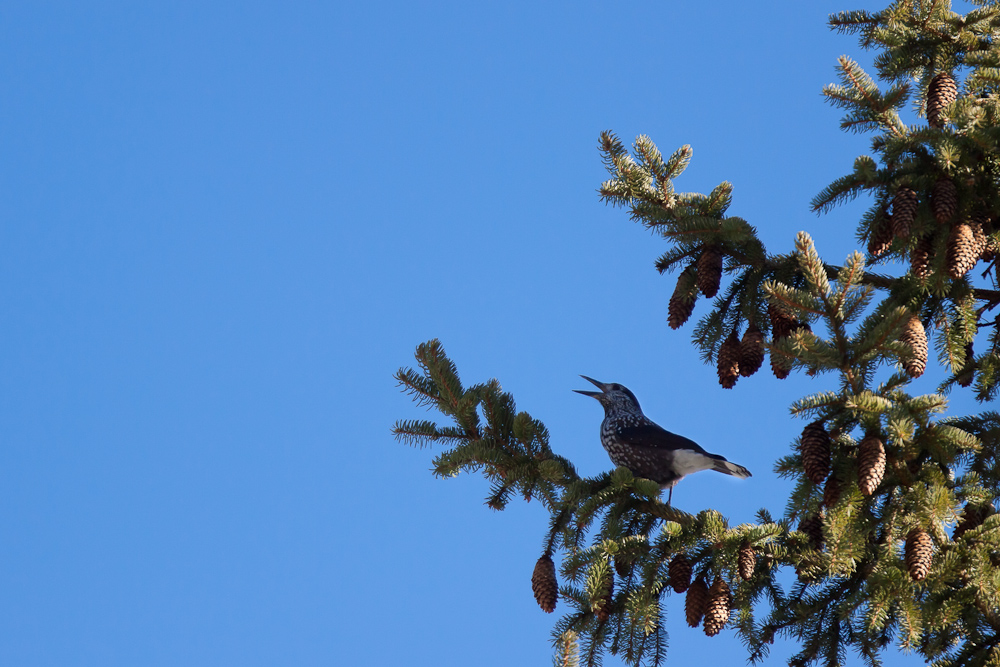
634,441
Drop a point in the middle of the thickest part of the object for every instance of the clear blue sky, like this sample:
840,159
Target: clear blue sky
225,226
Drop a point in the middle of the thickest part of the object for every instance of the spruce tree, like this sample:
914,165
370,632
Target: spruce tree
890,528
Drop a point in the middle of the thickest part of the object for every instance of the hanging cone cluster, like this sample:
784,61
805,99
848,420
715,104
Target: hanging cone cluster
871,464
832,491
972,517
812,526
747,561
880,236
968,372
728,361
717,611
944,200
709,271
696,602
680,573
544,584
603,610
915,338
920,257
904,210
781,327
941,92
751,351
962,247
918,552
815,449
683,299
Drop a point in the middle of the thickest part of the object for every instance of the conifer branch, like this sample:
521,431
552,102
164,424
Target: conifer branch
855,589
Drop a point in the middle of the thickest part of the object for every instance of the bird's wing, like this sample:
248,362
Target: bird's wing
657,437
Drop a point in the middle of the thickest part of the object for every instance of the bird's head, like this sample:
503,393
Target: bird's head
612,396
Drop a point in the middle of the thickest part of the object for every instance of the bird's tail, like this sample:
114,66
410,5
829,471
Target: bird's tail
722,465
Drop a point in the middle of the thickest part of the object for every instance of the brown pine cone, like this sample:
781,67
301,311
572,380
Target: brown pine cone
815,448
747,561
781,327
981,242
990,252
603,610
781,367
729,361
871,464
972,517
832,491
880,235
944,200
812,526
622,566
717,612
941,92
680,573
904,210
968,372
751,351
920,257
683,299
696,602
915,338
781,322
544,584
709,271
919,550
962,250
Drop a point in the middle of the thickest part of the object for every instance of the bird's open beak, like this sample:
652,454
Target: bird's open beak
592,394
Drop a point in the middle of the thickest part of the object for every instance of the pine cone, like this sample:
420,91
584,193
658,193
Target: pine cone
729,361
914,336
968,372
781,367
717,612
941,92
871,464
680,573
918,551
696,602
972,517
990,252
880,235
981,242
962,247
815,448
920,257
751,351
812,526
904,210
781,323
622,566
684,297
709,271
832,491
603,611
944,200
747,561
781,327
544,584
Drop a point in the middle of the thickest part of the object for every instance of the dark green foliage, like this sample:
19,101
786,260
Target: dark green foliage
858,587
